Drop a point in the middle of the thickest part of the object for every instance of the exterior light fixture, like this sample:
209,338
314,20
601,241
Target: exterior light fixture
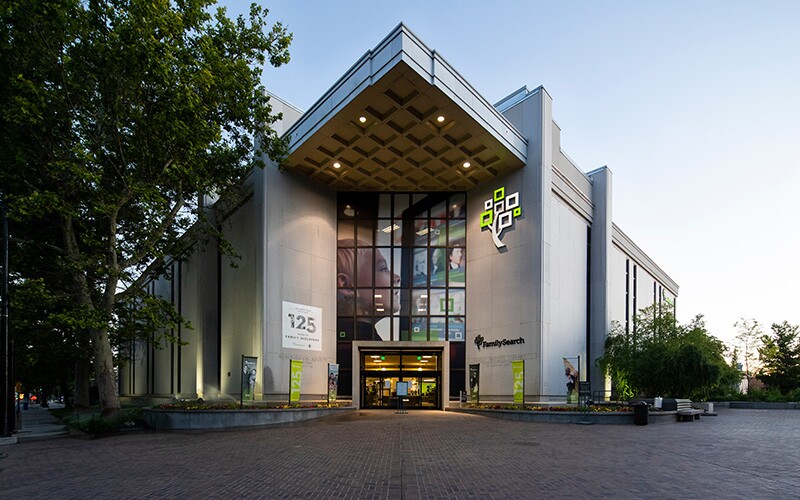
337,164
466,164
362,119
440,118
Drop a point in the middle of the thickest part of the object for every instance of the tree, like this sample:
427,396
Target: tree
780,357
46,350
748,340
116,117
666,358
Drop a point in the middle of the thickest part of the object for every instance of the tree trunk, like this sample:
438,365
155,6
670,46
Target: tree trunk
64,391
104,371
81,384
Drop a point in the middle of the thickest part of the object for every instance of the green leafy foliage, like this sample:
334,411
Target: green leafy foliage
748,339
96,425
664,358
780,358
116,116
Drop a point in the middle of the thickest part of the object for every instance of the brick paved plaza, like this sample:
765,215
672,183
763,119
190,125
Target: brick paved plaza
378,454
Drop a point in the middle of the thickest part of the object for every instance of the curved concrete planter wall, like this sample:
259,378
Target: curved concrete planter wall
754,405
227,419
570,417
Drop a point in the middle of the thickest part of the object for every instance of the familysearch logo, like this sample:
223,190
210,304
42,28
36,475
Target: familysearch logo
481,342
499,213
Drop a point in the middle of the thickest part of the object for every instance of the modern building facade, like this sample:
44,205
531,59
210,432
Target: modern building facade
414,230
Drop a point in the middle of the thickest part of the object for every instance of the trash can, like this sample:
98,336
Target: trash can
641,413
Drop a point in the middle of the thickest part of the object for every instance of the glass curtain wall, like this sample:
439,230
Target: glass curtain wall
401,273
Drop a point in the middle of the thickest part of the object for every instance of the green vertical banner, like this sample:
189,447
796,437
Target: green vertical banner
518,368
474,381
295,376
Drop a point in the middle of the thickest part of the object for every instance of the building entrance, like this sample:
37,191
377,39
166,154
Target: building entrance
382,369
401,277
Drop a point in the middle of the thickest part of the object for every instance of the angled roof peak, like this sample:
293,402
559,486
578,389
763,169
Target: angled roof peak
401,118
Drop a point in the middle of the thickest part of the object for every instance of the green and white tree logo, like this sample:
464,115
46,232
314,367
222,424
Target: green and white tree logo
499,213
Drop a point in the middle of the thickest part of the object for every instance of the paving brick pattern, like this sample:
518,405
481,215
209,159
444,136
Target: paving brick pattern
378,454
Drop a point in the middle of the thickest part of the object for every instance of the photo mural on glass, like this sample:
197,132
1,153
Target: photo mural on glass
401,272
395,250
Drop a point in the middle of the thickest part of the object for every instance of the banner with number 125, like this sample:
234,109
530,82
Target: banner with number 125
518,368
302,327
295,379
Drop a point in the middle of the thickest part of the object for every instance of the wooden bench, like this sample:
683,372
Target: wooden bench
685,410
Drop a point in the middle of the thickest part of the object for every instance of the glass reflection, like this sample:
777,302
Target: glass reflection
373,302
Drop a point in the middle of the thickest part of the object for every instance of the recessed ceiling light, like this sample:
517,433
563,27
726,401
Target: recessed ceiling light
440,118
337,165
362,119
466,164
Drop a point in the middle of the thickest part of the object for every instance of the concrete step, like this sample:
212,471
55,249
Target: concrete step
42,432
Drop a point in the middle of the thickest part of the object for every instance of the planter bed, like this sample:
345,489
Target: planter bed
177,419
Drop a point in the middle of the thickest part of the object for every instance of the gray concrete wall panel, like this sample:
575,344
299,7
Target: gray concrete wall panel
626,244
240,318
600,274
568,305
191,353
162,351
300,266
509,288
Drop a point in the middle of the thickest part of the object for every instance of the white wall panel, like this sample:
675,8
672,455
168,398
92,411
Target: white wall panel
568,305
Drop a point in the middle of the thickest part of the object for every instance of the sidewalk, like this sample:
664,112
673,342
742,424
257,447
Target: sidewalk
420,455
34,424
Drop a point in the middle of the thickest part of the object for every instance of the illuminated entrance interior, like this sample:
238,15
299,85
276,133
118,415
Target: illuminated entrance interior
382,369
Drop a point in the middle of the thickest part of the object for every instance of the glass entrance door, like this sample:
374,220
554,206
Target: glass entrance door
380,392
381,370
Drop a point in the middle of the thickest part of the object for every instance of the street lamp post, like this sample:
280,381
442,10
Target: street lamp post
6,406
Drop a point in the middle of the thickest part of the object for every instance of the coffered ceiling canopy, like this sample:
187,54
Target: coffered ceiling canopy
401,119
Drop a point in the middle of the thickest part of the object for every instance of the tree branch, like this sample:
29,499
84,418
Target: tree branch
156,235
